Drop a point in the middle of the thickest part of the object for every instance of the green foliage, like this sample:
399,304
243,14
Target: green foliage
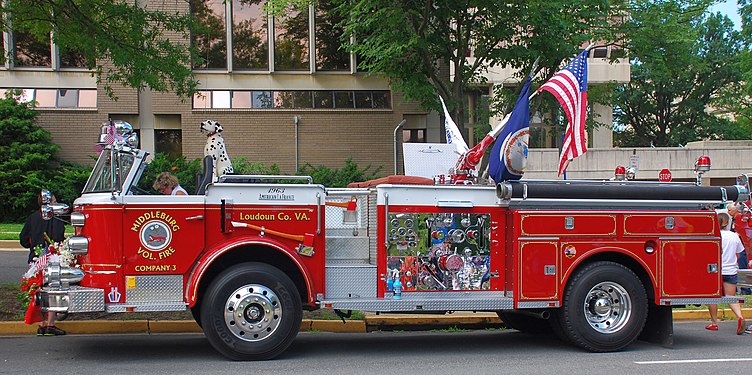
29,163
414,42
684,61
242,166
122,42
350,172
184,170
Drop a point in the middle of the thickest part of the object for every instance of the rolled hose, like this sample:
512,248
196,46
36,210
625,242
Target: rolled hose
532,190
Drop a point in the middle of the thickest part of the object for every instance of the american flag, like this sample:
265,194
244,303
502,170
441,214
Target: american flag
569,86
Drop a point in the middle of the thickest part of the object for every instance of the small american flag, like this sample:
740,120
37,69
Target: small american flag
569,86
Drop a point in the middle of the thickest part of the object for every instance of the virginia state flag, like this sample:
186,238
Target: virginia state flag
509,154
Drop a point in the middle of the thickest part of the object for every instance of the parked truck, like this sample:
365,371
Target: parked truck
598,263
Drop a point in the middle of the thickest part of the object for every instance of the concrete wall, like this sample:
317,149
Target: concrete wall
599,163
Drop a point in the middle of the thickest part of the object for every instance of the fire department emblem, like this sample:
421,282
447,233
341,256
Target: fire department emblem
155,235
515,151
570,251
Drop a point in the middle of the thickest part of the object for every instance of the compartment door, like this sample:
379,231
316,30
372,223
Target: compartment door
538,270
691,268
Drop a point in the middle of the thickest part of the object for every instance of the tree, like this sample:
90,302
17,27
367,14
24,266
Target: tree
684,63
416,43
120,41
29,163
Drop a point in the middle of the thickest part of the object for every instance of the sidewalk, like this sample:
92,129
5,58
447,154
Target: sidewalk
371,322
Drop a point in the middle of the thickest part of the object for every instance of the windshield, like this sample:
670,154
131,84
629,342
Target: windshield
110,172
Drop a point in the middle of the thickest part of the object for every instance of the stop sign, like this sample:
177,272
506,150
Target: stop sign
664,175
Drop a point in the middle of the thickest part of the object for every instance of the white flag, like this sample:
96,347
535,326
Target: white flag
453,135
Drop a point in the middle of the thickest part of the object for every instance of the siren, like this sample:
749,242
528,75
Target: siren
620,173
702,165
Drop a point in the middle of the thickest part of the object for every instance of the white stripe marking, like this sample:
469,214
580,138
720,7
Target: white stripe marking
694,361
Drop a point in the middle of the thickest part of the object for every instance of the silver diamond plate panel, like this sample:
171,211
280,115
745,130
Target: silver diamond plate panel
156,289
76,299
119,308
415,304
340,247
351,281
339,218
699,301
537,304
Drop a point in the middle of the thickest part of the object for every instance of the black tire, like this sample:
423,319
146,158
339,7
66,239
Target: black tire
604,307
524,323
270,317
196,313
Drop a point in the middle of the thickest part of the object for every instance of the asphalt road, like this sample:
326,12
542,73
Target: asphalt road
438,352
13,265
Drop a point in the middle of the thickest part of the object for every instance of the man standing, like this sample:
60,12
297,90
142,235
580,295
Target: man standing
37,232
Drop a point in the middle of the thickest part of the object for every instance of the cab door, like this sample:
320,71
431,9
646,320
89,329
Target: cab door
162,235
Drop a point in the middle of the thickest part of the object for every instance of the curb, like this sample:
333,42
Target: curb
372,322
10,244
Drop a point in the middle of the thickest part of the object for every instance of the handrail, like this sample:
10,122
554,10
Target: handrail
236,178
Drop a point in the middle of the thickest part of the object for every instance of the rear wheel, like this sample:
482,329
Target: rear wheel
604,307
251,311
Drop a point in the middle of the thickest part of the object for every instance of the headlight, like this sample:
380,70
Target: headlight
56,276
78,245
77,219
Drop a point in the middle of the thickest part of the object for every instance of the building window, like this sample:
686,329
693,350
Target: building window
329,55
45,98
87,99
72,59
220,99
241,99
250,39
211,38
414,136
30,52
291,40
299,99
262,99
344,99
57,98
169,141
67,98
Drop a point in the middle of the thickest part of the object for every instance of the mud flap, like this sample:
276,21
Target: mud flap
659,326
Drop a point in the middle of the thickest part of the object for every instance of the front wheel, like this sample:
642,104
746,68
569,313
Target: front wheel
604,307
251,311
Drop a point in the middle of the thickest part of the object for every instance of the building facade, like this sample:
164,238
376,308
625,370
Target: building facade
281,87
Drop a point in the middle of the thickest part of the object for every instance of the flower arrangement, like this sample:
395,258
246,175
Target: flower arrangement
32,280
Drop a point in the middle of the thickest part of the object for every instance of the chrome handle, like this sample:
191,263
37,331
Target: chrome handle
197,217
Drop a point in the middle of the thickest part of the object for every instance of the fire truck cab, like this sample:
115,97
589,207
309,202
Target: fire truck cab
598,263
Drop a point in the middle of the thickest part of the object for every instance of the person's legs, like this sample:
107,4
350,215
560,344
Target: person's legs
729,289
713,310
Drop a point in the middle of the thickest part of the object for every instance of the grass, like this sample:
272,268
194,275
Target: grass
452,329
10,231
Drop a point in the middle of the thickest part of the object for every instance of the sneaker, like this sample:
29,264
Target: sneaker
41,331
54,331
741,326
748,330
712,327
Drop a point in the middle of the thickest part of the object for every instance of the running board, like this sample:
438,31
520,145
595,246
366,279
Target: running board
145,307
472,301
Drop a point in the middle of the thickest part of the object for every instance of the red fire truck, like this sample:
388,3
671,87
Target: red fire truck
598,263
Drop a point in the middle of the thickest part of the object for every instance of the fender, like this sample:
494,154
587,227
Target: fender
586,256
191,286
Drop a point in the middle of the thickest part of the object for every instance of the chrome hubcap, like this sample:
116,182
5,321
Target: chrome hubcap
607,307
253,312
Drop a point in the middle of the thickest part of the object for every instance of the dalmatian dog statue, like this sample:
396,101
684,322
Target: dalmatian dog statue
215,146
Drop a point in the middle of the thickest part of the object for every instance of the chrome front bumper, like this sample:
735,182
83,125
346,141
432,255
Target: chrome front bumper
74,299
